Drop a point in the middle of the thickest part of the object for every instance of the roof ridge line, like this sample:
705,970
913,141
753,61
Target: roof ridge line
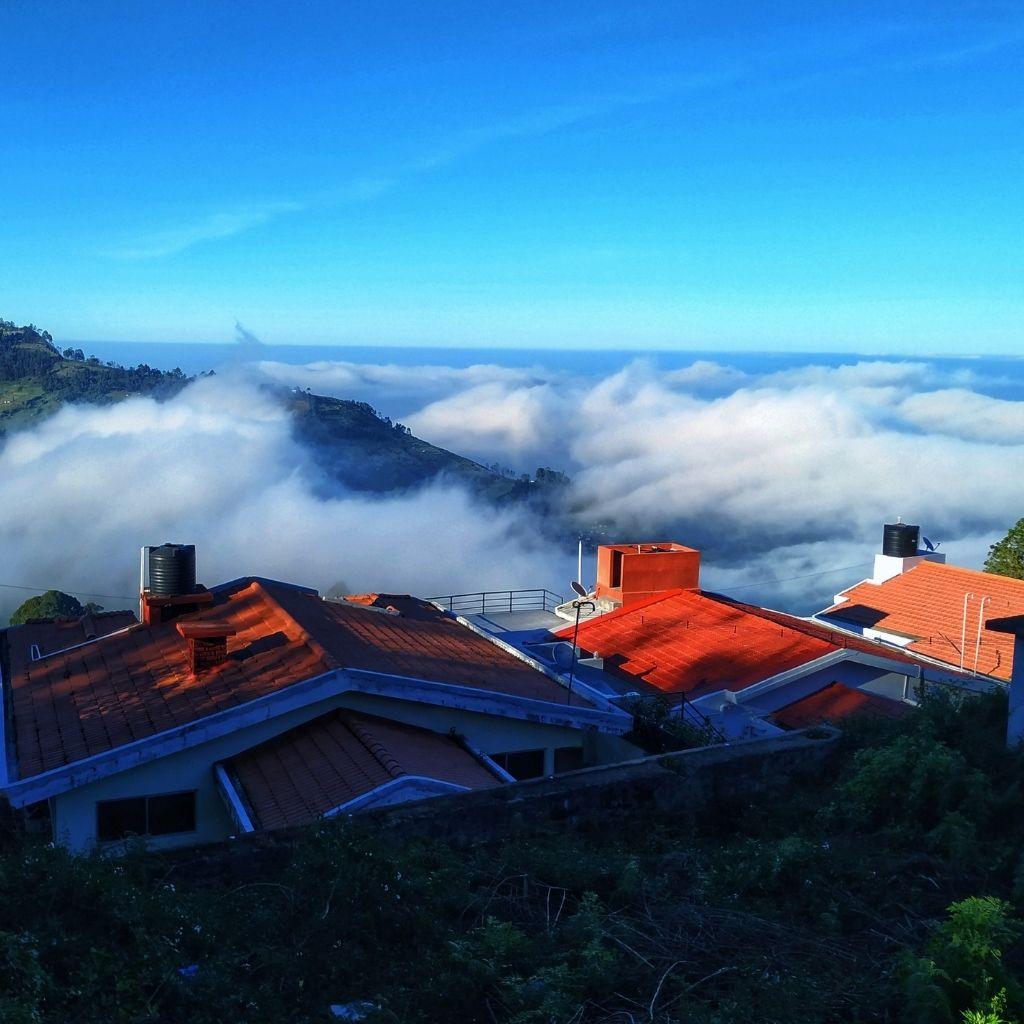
302,634
383,756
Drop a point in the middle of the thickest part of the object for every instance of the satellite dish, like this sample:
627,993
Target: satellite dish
928,544
580,590
563,656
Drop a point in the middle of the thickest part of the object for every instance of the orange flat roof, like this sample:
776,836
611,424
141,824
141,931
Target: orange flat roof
834,703
687,642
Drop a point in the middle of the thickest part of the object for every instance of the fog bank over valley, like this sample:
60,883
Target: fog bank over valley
778,478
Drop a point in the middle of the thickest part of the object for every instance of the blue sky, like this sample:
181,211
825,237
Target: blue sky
695,176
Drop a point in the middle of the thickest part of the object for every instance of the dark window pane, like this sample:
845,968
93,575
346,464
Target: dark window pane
568,759
172,812
116,819
522,764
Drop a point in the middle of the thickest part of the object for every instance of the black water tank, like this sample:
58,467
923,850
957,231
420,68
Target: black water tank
899,540
172,570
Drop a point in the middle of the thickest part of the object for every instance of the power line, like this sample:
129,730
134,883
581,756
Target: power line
805,576
80,593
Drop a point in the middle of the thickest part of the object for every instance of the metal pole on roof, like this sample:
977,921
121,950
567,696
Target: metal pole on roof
578,605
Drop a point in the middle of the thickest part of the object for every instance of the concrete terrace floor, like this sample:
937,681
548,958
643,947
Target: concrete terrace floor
530,632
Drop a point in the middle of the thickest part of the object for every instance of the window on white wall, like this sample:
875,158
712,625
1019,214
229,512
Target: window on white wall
162,815
521,764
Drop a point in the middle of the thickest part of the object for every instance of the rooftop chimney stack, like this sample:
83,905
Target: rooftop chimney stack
627,573
207,643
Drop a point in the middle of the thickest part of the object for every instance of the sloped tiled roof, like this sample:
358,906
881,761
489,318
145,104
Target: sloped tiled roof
50,635
432,646
926,603
298,777
136,684
834,703
403,604
684,641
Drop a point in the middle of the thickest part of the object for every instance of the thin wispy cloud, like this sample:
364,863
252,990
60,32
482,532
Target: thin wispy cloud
547,120
229,223
792,61
213,227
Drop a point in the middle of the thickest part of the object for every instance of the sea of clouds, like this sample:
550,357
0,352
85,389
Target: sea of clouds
783,479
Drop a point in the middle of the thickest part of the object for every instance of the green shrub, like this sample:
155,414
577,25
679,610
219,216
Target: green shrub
962,970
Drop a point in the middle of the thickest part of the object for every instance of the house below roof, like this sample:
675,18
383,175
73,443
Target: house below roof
735,665
135,730
1013,626
345,761
654,633
934,610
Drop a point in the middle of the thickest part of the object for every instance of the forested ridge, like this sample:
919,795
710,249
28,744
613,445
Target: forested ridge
36,377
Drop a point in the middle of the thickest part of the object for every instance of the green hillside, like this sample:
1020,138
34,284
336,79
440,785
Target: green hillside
37,378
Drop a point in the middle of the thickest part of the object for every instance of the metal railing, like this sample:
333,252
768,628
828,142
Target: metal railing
493,601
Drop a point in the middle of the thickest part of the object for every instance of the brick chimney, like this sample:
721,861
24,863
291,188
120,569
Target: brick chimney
207,643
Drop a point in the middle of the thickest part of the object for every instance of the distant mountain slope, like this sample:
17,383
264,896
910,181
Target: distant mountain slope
36,378
351,442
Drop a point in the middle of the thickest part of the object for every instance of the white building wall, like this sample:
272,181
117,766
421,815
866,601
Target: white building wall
74,813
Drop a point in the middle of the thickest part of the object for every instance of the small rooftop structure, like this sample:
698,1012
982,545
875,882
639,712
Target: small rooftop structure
628,573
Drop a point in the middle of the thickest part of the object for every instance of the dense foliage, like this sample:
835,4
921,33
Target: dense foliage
888,891
1006,557
54,604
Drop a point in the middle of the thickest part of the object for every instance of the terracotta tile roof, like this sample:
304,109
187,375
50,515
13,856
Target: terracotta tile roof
431,646
51,635
693,643
834,703
298,777
927,603
134,685
403,604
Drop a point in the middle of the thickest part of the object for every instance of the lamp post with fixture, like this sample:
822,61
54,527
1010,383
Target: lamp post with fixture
579,604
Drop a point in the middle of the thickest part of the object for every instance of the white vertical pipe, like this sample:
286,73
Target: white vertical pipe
963,631
142,579
579,564
977,644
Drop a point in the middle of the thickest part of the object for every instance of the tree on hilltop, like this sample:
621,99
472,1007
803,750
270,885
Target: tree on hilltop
54,604
1006,557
